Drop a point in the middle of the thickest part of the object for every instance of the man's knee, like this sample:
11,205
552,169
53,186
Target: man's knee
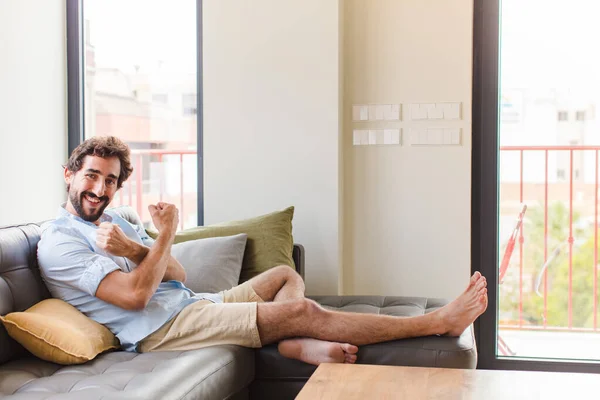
286,272
306,308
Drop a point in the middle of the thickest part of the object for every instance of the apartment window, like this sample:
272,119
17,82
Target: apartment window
124,78
502,38
580,115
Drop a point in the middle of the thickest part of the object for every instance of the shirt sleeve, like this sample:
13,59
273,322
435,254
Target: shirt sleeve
66,259
146,240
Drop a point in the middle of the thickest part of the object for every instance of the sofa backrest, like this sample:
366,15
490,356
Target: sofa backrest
20,283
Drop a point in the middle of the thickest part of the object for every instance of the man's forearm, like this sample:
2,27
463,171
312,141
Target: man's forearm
138,252
174,269
151,270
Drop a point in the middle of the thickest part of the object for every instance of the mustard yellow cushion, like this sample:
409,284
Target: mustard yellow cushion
55,331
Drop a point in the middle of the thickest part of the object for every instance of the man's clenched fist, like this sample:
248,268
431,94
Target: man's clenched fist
165,217
112,239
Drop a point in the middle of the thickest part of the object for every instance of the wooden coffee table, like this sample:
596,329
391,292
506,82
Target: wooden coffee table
344,381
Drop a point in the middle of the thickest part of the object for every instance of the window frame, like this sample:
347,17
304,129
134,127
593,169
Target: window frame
485,191
75,86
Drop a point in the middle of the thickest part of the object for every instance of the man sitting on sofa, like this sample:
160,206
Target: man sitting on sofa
115,274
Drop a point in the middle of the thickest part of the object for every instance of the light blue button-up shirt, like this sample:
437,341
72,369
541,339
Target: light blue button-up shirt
72,265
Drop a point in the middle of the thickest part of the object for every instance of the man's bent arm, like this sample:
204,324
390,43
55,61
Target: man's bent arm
133,290
174,272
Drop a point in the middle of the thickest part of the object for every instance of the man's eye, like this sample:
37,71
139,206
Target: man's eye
91,176
110,182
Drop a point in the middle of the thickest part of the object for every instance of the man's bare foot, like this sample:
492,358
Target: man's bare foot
461,312
315,352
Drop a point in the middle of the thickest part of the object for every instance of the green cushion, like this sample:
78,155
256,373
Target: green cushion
270,242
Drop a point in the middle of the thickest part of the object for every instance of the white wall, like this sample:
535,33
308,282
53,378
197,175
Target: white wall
276,75
407,218
32,109
271,120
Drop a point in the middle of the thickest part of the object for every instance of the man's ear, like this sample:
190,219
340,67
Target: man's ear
68,175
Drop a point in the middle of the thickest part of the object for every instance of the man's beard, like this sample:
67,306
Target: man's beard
76,201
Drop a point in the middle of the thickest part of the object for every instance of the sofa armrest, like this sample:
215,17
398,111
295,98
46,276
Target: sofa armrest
298,256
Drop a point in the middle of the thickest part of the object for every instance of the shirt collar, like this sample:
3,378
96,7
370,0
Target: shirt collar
62,212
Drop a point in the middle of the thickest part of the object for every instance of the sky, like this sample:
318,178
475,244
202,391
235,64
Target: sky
550,44
126,33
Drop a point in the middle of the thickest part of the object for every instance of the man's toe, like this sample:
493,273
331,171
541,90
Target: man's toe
349,348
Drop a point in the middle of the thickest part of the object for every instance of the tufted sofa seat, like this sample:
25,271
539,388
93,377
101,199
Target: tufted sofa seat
213,373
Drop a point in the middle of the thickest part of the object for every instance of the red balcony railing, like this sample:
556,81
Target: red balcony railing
580,173
147,184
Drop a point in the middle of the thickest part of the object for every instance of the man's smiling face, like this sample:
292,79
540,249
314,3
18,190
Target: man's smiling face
92,188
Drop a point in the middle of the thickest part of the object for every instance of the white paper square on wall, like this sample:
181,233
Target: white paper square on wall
434,111
360,137
356,137
416,135
451,110
435,136
376,112
372,112
380,112
355,113
392,112
391,136
447,136
418,111
372,137
360,112
364,137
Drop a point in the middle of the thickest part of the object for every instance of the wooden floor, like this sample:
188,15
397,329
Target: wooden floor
348,382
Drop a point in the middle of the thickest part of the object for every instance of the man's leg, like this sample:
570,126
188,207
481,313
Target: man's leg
280,283
305,318
283,284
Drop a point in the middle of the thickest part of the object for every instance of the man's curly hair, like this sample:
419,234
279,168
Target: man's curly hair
105,147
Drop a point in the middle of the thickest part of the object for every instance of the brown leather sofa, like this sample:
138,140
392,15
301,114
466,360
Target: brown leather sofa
219,372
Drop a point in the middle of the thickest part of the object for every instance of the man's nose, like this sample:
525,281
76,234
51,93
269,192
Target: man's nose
99,188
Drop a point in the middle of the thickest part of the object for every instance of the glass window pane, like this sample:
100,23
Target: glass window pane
141,85
549,152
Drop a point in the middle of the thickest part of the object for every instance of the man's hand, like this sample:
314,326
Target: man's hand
165,217
113,240
133,290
